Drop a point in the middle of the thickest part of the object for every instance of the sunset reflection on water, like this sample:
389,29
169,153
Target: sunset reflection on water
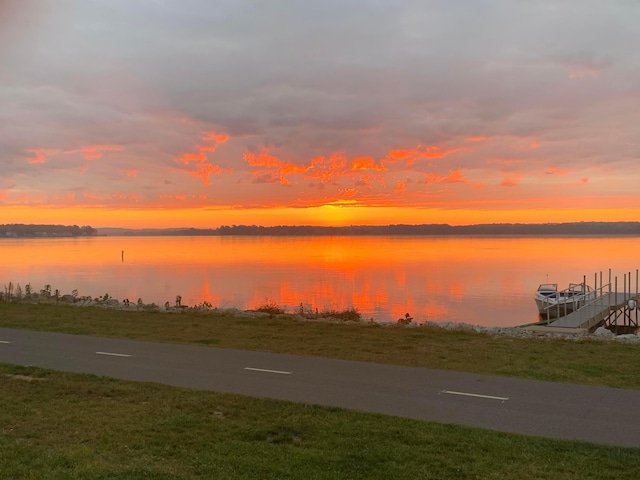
480,280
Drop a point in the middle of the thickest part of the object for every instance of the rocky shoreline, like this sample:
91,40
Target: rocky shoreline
530,331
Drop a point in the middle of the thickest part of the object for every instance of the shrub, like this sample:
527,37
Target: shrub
271,308
349,315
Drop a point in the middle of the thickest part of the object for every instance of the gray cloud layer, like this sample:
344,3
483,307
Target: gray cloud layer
313,78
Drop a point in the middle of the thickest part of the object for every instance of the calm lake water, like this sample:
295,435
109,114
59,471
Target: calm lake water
485,281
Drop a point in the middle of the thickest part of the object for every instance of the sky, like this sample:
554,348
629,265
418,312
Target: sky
201,113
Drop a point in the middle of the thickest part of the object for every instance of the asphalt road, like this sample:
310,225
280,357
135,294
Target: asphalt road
595,414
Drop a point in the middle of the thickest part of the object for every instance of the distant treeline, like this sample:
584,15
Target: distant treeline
577,228
21,230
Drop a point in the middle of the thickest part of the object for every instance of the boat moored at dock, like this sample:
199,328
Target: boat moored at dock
553,303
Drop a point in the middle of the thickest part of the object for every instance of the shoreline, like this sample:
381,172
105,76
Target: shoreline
532,331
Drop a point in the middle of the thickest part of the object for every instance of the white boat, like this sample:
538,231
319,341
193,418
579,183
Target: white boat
553,303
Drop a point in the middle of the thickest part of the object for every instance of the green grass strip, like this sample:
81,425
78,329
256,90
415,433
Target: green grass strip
69,426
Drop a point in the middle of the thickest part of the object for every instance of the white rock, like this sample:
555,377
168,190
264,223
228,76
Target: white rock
627,336
603,332
447,325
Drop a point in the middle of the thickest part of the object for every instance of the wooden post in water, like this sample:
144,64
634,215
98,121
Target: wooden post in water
616,292
636,302
627,310
609,288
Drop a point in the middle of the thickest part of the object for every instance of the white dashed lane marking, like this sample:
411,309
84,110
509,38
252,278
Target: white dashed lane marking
267,371
475,395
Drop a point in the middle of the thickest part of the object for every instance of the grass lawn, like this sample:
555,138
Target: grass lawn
67,426
593,362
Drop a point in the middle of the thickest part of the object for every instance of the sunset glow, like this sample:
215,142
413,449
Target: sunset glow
385,113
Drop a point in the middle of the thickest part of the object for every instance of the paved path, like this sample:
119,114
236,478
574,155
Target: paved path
597,414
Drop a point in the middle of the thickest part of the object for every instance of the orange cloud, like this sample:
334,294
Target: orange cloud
269,168
292,168
262,159
320,168
217,137
324,169
202,168
437,152
368,180
508,182
401,154
131,173
454,176
366,163
192,157
42,153
477,139
429,152
200,156
401,187
207,148
277,170
533,145
93,152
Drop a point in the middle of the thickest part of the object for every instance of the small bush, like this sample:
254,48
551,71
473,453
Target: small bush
349,315
271,308
203,306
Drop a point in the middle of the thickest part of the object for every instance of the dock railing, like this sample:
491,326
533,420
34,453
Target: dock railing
574,297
